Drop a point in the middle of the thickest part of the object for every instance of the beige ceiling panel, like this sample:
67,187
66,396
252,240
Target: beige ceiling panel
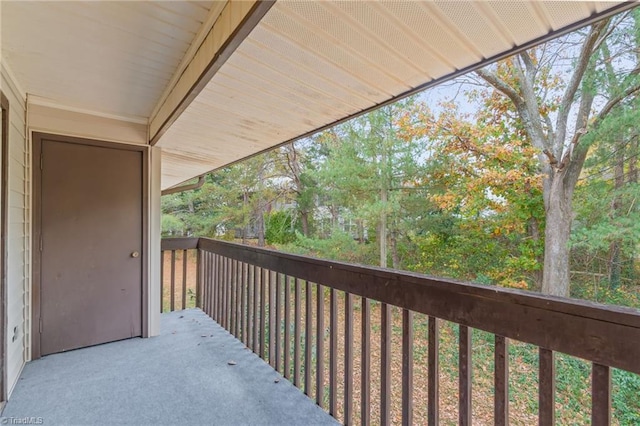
364,43
520,19
316,82
476,29
559,13
225,92
421,25
310,63
107,57
291,89
281,20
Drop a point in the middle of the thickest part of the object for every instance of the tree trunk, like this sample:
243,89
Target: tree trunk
360,226
614,265
334,215
534,232
245,222
382,229
260,219
559,214
393,242
304,220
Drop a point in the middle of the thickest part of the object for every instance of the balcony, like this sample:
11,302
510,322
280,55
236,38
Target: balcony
351,338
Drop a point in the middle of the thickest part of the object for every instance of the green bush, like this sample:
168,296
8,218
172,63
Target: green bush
279,229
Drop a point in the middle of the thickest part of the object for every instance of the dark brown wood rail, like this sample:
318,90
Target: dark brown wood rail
257,295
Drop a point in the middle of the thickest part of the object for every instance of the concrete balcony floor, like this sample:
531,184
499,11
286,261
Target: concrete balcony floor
182,376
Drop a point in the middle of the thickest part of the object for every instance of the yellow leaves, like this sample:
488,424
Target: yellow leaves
521,285
445,201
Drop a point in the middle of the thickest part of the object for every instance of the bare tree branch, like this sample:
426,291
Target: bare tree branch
500,85
574,83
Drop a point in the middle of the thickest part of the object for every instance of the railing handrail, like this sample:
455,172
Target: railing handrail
179,243
607,335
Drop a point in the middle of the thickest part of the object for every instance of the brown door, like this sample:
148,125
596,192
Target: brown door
91,227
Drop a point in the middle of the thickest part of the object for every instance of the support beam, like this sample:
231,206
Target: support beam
237,19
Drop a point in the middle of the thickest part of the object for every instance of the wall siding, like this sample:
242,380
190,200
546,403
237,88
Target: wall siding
18,253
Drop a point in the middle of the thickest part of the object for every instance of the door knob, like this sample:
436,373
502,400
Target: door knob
135,254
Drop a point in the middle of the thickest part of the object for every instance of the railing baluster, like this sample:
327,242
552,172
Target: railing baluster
241,303
205,274
465,374
501,381
238,303
256,308
228,293
600,395
246,317
407,367
272,319
263,320
287,327
199,273
320,346
308,314
233,298
365,386
296,333
162,281
184,280
223,286
385,364
173,280
348,358
216,262
547,383
433,417
333,352
225,292
216,294
278,328
211,285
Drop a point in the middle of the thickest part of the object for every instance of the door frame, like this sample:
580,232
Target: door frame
4,170
37,139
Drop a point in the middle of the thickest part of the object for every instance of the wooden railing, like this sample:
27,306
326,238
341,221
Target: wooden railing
260,295
179,280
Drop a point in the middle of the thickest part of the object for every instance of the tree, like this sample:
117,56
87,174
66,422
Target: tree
367,168
489,185
559,125
294,163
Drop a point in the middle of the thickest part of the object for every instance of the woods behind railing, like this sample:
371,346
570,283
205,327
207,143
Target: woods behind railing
259,296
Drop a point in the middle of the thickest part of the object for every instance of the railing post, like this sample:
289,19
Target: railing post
501,381
465,376
600,395
546,396
433,394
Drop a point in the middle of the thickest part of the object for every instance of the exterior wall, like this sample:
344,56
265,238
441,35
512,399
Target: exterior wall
19,230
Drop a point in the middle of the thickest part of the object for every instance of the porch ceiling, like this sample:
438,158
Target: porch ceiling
112,58
305,65
308,64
